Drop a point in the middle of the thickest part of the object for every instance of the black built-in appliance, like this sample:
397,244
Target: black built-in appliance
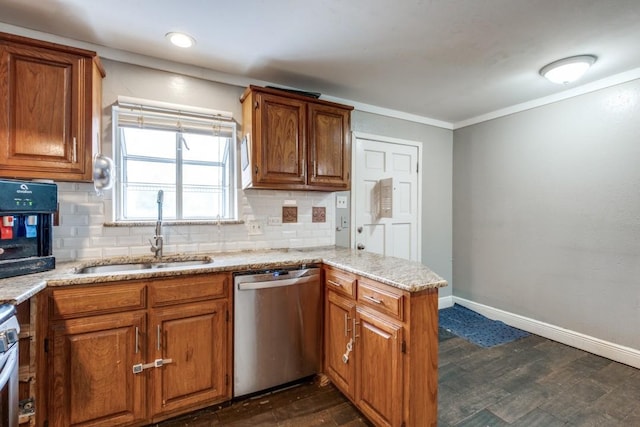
26,227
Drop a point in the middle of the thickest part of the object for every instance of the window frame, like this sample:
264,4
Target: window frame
185,122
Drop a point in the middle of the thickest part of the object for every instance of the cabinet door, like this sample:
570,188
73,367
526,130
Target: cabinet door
339,322
45,114
379,368
329,147
193,341
92,380
280,144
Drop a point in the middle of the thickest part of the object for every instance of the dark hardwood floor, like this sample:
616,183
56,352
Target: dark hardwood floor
529,382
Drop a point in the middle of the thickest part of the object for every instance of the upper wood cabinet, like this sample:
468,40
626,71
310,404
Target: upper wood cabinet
50,109
294,142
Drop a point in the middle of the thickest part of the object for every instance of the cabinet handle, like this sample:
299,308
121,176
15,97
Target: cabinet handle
354,330
75,150
336,284
158,337
137,340
346,325
372,299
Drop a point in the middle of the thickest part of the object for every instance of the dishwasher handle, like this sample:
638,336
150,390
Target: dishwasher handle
250,286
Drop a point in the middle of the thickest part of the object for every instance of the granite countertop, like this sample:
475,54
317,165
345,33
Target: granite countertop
410,276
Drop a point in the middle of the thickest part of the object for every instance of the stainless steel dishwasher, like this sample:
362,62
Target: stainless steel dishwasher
277,327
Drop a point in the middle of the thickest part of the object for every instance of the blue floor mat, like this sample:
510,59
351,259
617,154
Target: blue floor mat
476,328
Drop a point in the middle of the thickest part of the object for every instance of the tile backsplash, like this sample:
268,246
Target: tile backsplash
81,233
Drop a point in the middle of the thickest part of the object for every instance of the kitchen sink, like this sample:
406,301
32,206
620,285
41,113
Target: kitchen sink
152,265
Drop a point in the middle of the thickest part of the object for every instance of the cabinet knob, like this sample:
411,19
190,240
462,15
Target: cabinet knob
360,246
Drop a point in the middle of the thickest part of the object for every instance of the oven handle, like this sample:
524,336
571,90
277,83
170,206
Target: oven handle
251,286
7,365
9,381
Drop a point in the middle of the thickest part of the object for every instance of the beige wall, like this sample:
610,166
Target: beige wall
546,214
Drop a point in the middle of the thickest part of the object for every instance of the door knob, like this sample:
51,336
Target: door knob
359,230
360,246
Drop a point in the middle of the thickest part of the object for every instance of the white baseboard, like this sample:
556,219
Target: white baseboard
619,353
445,302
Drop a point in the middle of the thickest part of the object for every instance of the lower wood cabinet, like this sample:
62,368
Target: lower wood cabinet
390,370
340,315
191,341
136,353
91,379
379,359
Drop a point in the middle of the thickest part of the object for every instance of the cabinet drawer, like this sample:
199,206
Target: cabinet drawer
188,289
340,281
100,299
383,298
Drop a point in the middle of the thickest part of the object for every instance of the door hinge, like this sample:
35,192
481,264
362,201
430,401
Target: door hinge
227,315
403,347
46,345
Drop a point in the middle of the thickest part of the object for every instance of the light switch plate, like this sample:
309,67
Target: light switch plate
274,220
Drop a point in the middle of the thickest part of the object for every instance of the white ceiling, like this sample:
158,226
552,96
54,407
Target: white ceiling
447,60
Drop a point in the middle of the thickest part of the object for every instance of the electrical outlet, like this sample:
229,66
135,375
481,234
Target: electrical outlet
254,227
274,220
341,202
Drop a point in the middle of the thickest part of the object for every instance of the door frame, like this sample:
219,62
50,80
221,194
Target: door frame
390,140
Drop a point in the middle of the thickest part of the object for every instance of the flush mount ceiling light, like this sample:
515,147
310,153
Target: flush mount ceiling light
567,70
181,39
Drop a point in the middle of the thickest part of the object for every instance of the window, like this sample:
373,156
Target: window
190,156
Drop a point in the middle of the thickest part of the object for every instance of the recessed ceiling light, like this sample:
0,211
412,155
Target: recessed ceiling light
568,70
181,39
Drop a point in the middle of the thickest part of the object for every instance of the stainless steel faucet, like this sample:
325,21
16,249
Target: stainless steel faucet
157,243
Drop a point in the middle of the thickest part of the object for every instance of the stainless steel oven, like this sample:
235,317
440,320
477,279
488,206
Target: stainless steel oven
9,330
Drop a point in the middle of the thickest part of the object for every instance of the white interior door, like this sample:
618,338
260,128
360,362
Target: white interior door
379,158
